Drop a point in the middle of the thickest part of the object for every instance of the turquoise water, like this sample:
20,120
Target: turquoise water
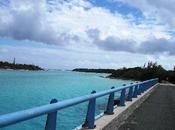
21,90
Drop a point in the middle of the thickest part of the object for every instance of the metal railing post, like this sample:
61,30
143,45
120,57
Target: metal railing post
110,105
51,118
143,87
90,117
139,89
122,97
130,94
147,86
150,84
135,91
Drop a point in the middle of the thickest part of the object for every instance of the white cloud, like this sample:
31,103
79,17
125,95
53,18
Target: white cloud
65,23
160,10
68,21
70,59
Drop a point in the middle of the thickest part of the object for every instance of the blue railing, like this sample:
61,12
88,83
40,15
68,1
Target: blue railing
127,93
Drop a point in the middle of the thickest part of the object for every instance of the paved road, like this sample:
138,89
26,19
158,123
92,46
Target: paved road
156,113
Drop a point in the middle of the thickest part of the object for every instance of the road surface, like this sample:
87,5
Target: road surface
157,112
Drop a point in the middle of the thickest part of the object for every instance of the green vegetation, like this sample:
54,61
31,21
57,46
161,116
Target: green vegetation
7,65
151,70
94,70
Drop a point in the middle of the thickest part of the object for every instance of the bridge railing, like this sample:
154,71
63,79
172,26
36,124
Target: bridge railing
133,90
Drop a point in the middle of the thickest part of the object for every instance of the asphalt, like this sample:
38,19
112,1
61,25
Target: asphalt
157,112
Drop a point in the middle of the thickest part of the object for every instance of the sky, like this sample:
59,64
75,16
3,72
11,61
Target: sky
67,34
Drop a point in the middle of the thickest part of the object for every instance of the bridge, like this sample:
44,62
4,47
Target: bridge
138,106
156,113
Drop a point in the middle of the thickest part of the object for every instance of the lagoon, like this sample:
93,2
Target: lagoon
21,90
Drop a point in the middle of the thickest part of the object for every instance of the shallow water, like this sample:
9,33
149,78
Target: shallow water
21,90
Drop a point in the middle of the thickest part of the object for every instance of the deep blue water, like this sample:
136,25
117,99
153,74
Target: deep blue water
21,90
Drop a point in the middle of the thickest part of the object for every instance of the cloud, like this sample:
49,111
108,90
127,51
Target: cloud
29,20
70,59
111,43
151,46
160,10
64,22
160,46
92,36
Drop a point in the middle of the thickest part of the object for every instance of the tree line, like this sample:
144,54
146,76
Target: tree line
7,65
148,71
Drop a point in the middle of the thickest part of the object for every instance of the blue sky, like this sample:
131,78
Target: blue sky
68,34
118,6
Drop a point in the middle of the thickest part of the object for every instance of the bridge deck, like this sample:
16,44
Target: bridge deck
156,113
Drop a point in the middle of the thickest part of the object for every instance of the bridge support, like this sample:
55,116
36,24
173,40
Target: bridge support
90,117
110,106
122,97
130,94
51,118
135,91
139,89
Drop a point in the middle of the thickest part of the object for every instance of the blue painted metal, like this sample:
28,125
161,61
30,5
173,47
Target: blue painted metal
122,97
110,105
51,109
51,118
90,116
144,87
135,91
139,89
130,94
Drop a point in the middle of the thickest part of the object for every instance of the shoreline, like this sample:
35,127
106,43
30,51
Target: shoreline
1,69
15,66
108,77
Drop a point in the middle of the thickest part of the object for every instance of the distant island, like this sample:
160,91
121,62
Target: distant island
94,70
14,66
148,71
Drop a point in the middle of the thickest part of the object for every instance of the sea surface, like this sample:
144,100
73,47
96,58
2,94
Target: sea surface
20,90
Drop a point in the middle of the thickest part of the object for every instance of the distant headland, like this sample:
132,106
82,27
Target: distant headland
15,66
148,71
94,70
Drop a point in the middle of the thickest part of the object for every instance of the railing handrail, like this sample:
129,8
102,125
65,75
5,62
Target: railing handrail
15,117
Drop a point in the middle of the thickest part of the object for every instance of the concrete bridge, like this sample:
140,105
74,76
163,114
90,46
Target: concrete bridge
154,110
